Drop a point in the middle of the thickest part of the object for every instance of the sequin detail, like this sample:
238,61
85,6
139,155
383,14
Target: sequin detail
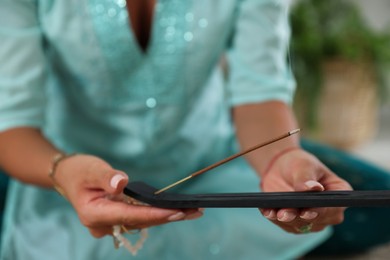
178,28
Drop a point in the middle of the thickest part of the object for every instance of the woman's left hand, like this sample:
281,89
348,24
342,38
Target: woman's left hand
298,170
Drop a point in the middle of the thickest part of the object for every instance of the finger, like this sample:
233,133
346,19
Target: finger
333,182
293,226
149,216
308,227
308,180
286,215
302,226
325,216
193,213
319,218
311,214
308,176
311,185
100,232
118,181
110,180
335,216
105,212
289,222
269,213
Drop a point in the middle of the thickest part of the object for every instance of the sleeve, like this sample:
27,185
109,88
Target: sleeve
258,69
22,66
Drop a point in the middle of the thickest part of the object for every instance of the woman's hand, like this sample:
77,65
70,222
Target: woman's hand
89,183
297,170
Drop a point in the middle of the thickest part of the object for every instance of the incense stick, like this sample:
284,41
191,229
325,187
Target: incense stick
227,160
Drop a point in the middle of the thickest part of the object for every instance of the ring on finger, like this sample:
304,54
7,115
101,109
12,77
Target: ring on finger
305,229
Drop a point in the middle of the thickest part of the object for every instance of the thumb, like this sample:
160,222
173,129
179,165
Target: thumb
312,185
114,181
307,182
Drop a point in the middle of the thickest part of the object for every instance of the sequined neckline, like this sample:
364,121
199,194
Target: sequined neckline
127,63
178,29
142,15
153,25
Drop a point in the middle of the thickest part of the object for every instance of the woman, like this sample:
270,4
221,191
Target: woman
142,98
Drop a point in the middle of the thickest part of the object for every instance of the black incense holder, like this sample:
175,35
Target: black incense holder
367,198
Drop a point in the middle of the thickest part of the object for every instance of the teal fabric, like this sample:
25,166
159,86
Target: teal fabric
74,70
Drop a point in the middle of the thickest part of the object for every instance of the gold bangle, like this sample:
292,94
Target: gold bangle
55,162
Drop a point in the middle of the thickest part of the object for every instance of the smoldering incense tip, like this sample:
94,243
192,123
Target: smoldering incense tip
294,131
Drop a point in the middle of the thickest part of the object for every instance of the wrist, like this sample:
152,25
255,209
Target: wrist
56,161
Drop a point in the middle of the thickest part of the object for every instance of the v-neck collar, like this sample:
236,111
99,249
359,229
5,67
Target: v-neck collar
124,59
129,75
118,40
133,30
151,42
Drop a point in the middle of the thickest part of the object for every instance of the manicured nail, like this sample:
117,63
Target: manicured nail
195,215
314,185
270,214
287,217
309,215
177,216
115,180
266,212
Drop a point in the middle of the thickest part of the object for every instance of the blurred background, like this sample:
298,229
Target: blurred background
340,54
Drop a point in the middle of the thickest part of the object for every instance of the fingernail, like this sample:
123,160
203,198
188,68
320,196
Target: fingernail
287,217
314,184
270,214
266,212
309,215
115,180
177,216
195,215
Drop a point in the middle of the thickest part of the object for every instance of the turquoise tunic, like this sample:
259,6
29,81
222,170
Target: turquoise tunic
74,69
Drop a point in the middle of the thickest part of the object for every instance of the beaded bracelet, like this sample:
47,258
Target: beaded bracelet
119,239
55,161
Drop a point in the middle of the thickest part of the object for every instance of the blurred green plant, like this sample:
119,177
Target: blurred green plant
326,29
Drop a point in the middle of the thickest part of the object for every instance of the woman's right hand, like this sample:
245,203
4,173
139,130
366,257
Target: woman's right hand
89,182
